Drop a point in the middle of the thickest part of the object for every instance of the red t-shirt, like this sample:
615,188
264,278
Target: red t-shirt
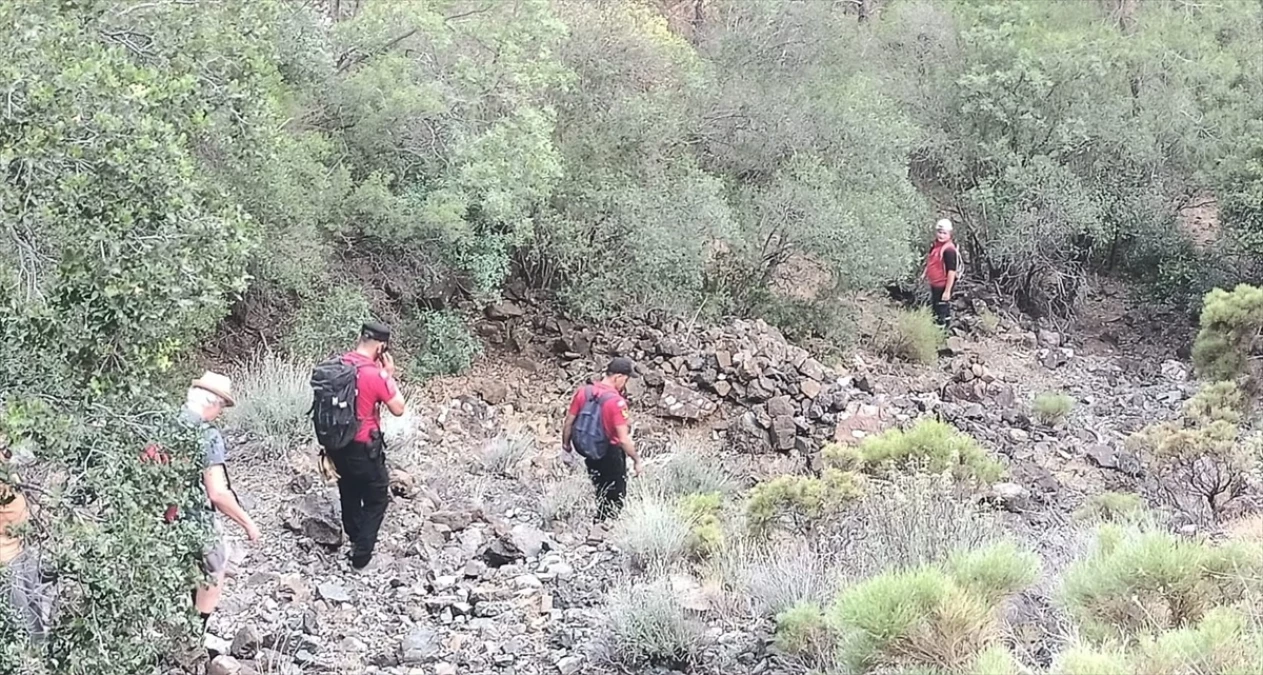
375,387
613,411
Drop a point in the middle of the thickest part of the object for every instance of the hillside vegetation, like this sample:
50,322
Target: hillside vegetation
272,172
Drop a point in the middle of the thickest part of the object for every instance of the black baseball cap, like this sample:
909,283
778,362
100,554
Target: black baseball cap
375,330
621,365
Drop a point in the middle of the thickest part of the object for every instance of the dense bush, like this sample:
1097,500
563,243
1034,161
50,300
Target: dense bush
706,532
647,626
803,630
938,618
913,337
803,502
274,397
653,531
1140,582
1112,507
1230,327
1053,407
928,445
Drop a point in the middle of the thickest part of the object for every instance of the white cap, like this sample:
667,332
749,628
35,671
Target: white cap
943,225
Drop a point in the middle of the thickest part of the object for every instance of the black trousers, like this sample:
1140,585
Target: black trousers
609,477
942,310
364,489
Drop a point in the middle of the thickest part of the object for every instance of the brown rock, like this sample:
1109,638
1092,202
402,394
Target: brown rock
854,428
810,388
403,484
812,369
493,391
224,665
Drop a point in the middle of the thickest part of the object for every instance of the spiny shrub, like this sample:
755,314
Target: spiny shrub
652,531
929,617
1220,643
706,532
802,500
687,471
504,454
1084,660
1216,402
911,521
778,578
646,626
1230,324
802,630
1053,407
273,402
929,445
566,499
1141,582
1112,507
914,337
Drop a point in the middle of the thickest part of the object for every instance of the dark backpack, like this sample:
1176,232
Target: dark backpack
333,386
588,435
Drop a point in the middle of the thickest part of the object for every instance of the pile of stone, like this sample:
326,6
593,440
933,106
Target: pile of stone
745,378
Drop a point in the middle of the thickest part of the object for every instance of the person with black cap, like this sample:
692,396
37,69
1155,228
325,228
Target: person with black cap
363,477
598,427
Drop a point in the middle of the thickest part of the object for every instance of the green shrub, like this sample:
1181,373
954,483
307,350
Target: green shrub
803,631
1112,507
447,346
1052,408
1083,660
997,660
993,572
988,322
275,395
568,498
802,500
701,511
646,626
327,323
1230,325
1216,402
1139,582
930,617
929,445
914,337
775,578
1221,643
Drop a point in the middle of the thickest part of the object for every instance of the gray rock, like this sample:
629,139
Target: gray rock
812,369
784,431
314,516
529,540
503,311
1049,338
569,665
247,643
780,406
680,402
334,592
422,645
224,665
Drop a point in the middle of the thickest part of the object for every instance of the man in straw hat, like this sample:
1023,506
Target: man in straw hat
207,397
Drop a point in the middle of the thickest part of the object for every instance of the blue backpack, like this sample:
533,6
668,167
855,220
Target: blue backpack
588,436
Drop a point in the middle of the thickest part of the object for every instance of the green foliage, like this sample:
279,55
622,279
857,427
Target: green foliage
653,531
1230,326
447,346
802,630
274,396
702,512
914,337
687,471
801,500
997,660
1083,660
1112,507
929,446
1053,407
1139,583
930,617
327,323
1199,459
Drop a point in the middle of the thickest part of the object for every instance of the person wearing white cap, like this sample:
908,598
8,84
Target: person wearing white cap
207,397
940,270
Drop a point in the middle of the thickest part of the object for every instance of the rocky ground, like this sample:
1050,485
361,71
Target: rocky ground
483,572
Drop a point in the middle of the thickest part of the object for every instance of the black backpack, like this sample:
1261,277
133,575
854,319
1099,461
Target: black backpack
333,386
588,434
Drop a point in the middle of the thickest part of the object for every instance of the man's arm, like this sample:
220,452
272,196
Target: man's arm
216,481
629,446
950,261
393,397
396,405
567,428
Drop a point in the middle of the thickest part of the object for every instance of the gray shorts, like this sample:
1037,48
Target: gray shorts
216,556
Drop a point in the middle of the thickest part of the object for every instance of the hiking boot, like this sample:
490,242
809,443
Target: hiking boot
359,562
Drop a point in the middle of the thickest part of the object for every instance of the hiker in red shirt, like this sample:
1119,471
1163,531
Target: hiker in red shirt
940,271
605,452
363,477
